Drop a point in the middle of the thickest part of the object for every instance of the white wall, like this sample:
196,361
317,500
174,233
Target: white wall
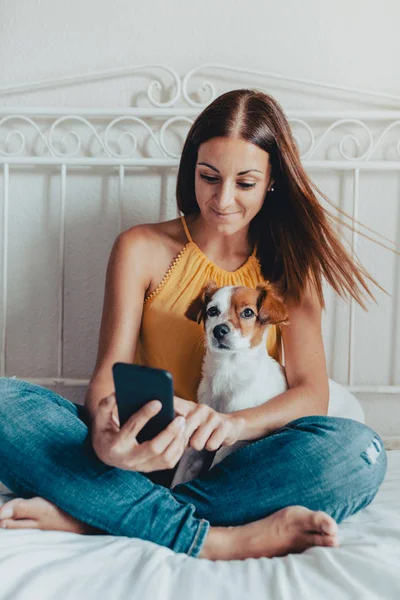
352,43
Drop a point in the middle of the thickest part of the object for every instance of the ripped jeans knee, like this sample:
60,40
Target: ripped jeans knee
373,451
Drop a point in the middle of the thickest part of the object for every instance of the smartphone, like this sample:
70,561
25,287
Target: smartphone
135,385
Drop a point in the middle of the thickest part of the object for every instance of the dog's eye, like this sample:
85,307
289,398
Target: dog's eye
247,313
212,311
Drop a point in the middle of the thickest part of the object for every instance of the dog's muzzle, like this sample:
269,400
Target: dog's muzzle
220,331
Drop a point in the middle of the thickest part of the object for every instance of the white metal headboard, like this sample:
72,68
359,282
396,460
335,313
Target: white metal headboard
329,139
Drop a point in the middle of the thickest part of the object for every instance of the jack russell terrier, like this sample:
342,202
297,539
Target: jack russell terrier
237,371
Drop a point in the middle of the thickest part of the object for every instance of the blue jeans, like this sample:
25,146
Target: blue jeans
324,463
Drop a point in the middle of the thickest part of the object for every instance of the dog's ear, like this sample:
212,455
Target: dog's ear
271,309
196,309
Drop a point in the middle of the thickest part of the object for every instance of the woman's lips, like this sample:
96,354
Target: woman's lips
224,214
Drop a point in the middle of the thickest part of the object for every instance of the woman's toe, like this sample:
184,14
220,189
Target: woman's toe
19,524
320,521
21,517
24,509
323,540
7,510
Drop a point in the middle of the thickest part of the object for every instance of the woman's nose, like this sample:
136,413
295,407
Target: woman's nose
225,197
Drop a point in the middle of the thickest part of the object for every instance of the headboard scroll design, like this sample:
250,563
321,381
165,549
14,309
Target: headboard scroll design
77,138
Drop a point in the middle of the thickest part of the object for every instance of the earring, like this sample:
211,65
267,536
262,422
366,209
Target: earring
272,189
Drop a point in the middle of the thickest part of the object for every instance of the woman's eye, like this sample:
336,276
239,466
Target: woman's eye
242,184
212,311
247,313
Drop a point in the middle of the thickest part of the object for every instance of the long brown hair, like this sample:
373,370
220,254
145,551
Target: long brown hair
295,236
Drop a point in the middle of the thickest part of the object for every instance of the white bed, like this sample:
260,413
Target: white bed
48,564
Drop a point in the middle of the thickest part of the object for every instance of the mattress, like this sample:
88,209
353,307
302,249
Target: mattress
51,564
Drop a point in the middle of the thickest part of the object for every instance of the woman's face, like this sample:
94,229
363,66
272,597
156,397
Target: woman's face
227,199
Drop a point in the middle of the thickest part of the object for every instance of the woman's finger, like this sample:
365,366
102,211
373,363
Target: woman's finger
183,407
115,416
200,437
174,451
216,439
197,418
156,446
103,412
138,420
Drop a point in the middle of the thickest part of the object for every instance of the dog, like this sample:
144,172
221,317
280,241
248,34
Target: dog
237,371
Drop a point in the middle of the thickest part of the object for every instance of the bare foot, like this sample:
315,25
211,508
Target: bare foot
289,530
39,513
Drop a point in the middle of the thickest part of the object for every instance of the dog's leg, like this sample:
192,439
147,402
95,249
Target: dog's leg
223,451
207,459
192,464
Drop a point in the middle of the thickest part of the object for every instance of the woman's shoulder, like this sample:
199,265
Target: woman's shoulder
156,245
158,236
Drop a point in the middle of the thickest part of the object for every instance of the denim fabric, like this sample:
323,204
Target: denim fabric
324,463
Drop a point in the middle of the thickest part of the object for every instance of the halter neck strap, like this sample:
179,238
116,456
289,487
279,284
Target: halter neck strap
185,227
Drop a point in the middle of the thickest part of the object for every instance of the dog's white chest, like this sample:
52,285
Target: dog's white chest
235,387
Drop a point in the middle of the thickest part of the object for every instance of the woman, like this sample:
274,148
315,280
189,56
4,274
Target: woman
251,215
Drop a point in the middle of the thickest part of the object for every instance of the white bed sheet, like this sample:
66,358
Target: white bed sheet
50,564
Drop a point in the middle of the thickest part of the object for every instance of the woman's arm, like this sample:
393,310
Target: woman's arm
306,373
127,278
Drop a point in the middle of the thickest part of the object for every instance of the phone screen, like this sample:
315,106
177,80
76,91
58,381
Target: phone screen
135,385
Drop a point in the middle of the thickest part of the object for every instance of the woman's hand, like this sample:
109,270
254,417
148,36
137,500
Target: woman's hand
117,446
207,428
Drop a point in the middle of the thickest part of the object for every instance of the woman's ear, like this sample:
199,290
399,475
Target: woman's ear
271,309
196,311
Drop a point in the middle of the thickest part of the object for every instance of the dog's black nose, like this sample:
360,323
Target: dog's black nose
220,331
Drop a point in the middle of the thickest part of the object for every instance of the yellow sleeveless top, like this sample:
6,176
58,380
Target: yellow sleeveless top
167,339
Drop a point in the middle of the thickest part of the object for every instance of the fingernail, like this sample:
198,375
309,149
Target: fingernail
6,513
155,405
180,421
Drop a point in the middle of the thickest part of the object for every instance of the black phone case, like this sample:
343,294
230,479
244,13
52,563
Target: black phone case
135,385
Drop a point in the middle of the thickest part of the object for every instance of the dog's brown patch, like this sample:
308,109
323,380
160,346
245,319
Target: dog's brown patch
196,310
265,303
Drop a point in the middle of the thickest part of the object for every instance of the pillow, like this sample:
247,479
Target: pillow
343,403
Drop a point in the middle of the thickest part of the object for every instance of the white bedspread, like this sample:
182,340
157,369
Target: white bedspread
49,564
